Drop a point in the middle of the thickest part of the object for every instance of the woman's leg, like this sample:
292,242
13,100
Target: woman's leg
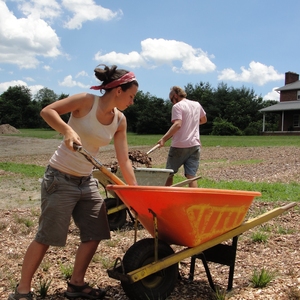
33,258
84,255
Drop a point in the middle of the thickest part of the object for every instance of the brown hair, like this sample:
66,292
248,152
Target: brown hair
177,90
109,74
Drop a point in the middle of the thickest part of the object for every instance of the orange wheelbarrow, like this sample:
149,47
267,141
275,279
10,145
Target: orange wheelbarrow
116,210
197,218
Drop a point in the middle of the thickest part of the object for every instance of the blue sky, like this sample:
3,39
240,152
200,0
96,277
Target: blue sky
57,44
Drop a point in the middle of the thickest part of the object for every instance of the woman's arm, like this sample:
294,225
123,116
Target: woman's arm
78,105
121,147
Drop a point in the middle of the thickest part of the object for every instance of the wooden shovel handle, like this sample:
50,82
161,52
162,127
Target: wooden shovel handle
152,149
98,165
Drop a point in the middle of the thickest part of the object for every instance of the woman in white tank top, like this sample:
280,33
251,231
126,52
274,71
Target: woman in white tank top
68,189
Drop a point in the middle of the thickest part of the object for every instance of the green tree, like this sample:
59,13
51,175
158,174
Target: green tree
204,94
13,103
224,105
65,117
155,118
45,97
32,115
223,127
133,112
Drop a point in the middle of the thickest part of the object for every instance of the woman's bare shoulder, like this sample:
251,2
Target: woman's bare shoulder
83,96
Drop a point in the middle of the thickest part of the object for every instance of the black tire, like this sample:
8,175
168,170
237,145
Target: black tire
156,286
117,219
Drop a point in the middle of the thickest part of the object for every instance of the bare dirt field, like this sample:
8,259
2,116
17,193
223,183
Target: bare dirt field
19,210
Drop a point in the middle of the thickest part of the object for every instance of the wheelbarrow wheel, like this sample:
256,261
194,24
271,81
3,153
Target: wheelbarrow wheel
115,220
155,286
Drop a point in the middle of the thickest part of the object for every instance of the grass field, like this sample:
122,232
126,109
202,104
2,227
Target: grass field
271,191
206,140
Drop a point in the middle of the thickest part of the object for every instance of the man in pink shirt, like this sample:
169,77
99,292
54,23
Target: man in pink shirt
187,115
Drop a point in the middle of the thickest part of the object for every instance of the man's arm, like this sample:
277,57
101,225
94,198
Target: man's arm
173,129
203,120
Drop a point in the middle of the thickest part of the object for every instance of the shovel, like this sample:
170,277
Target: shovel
152,149
115,179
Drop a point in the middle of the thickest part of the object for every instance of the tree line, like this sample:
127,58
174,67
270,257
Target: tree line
230,111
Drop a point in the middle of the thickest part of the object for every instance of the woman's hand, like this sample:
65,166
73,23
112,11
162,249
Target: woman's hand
71,137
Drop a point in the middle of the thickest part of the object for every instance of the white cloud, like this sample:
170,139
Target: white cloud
44,9
35,88
257,73
162,51
132,60
5,85
87,11
156,52
69,82
24,39
29,79
82,73
47,68
274,95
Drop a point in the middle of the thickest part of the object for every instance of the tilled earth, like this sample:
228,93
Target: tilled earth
280,254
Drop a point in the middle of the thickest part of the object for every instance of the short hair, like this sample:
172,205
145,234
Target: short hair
178,90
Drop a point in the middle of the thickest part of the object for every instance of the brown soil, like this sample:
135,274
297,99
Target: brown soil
19,209
8,129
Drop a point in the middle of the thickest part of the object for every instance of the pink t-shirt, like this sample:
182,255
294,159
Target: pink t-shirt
189,112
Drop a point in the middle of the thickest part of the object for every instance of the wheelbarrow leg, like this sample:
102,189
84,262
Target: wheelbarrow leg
222,254
204,261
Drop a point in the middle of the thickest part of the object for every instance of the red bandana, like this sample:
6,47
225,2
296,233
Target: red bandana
128,77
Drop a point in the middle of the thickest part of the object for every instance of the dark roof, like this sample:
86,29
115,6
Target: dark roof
291,86
281,106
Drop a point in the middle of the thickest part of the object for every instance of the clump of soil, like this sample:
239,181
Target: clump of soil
137,158
113,166
8,129
140,158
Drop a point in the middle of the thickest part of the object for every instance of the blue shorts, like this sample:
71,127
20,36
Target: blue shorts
64,196
188,157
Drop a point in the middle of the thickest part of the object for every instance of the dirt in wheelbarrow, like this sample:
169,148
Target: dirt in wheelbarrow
278,254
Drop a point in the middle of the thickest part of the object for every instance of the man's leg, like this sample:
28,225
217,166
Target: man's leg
194,183
169,181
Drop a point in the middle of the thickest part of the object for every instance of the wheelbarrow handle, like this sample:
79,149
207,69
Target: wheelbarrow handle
185,182
98,164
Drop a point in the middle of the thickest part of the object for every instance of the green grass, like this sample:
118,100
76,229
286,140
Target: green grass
249,141
270,191
66,270
24,169
262,278
43,287
37,133
259,237
222,141
207,140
